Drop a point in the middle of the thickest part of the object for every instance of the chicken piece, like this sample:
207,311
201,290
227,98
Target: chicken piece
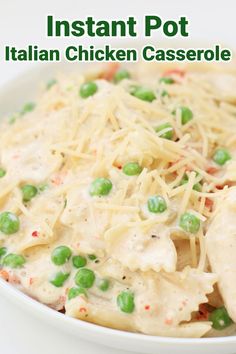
225,85
221,249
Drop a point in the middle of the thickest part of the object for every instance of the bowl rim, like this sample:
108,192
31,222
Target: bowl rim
61,319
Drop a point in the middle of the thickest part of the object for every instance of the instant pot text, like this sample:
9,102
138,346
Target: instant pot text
153,25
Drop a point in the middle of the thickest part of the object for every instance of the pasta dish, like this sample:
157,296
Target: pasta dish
118,198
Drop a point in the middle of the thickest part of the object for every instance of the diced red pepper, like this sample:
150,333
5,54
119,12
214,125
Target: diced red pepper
4,274
109,73
117,165
211,170
168,321
177,72
209,203
58,179
35,234
203,313
228,184
82,309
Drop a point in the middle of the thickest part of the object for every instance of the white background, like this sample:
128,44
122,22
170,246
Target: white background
23,22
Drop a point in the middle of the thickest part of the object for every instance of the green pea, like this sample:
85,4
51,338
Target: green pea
61,255
2,172
88,89
100,187
186,115
85,278
51,83
197,186
103,284
167,135
28,192
144,94
125,301
220,318
184,179
121,75
59,279
79,261
164,93
9,223
157,204
28,107
189,223
132,169
221,156
167,80
92,257
14,260
74,292
3,251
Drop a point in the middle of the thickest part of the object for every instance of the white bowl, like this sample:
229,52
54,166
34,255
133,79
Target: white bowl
12,96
